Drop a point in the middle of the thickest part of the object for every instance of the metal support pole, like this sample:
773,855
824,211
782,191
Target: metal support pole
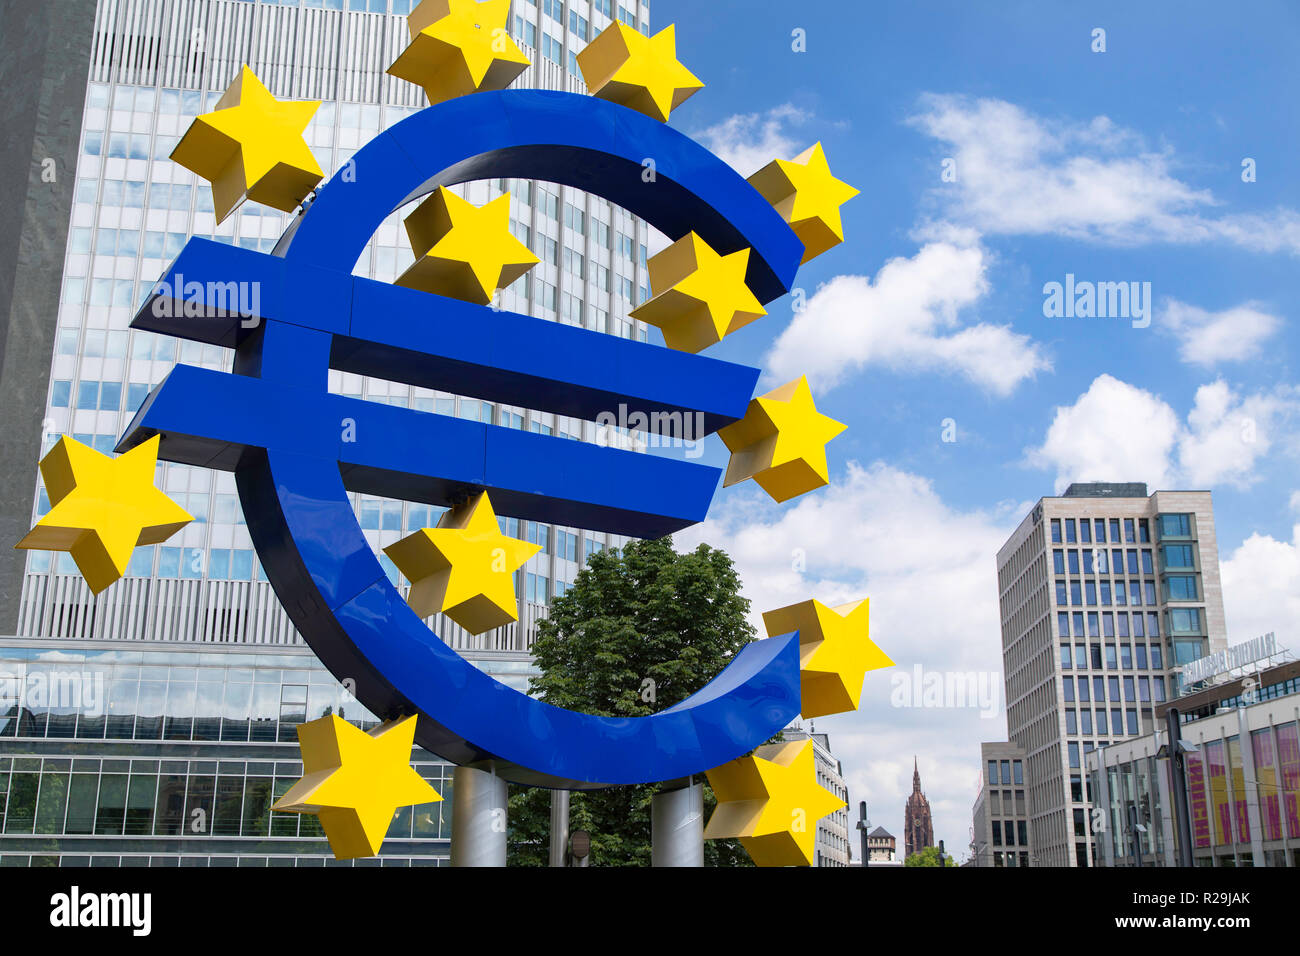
1178,768
677,826
863,823
478,818
559,827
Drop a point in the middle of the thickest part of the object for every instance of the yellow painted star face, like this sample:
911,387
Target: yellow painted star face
464,251
771,802
781,442
355,781
464,568
460,47
700,296
251,147
636,71
808,197
835,652
102,508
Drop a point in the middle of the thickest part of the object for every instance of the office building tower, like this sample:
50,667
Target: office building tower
1000,827
1104,592
193,642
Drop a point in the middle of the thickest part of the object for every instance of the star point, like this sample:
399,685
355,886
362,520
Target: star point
642,73
252,147
355,781
463,251
702,295
771,801
781,442
102,508
459,47
835,652
808,197
464,568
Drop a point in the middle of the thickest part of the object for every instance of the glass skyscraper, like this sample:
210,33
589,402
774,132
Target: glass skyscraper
202,673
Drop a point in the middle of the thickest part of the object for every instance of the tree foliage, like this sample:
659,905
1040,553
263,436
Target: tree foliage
929,856
639,631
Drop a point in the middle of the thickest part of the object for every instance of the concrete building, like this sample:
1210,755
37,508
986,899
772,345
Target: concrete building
1242,777
833,847
1000,833
1104,593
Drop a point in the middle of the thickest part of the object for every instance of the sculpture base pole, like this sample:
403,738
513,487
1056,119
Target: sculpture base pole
677,825
478,818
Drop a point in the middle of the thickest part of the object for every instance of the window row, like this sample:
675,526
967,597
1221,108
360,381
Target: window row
1102,530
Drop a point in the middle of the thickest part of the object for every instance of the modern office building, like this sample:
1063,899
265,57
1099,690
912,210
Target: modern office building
1000,834
98,92
918,827
1104,593
832,847
144,70
1242,778
145,753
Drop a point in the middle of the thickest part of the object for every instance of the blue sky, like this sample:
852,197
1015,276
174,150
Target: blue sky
1122,165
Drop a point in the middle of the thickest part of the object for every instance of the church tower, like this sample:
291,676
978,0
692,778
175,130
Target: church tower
918,830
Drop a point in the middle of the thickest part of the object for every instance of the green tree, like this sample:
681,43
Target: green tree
929,857
639,631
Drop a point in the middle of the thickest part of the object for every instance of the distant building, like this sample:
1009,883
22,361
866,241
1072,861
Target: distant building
881,847
832,847
1000,819
918,828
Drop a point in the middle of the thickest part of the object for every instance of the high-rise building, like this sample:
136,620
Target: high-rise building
98,92
144,70
918,828
832,847
1104,593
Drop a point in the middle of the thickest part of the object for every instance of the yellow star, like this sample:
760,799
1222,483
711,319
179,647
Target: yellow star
639,72
772,802
835,652
808,197
464,567
781,442
355,781
464,251
704,295
251,147
459,47
102,508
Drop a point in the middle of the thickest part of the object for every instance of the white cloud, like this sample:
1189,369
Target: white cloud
749,141
1208,338
1020,174
929,570
1261,588
907,319
1119,432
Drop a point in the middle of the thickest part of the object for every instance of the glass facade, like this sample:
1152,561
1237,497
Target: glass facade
168,755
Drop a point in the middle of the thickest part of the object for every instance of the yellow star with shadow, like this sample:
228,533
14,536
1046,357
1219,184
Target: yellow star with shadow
251,147
464,568
636,71
702,295
781,442
459,47
808,197
102,508
771,801
835,652
463,251
355,781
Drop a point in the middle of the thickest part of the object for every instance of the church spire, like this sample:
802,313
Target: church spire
916,776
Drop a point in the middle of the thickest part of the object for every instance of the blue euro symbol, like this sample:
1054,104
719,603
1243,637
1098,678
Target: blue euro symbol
297,451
